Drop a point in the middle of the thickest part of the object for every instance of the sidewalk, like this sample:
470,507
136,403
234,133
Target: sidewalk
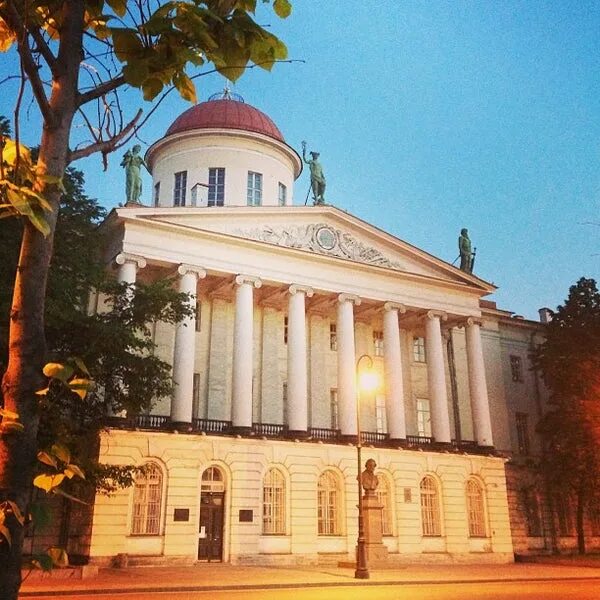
210,577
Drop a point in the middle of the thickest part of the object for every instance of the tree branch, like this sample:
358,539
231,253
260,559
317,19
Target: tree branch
105,146
101,90
43,47
9,13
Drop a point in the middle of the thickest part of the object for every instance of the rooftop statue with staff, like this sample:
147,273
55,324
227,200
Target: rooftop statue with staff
317,178
132,163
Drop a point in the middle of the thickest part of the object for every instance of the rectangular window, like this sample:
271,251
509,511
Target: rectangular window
333,403
516,368
179,189
563,514
380,417
419,350
285,329
378,343
332,336
216,186
282,194
156,193
522,432
198,315
423,417
254,194
196,396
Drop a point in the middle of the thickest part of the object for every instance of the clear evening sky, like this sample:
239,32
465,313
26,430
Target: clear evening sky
433,116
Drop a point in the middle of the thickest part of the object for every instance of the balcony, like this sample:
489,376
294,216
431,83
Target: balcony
280,432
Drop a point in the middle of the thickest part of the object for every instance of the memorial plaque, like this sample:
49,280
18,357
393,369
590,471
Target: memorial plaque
246,516
181,514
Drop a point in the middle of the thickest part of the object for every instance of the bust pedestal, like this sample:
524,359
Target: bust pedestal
376,551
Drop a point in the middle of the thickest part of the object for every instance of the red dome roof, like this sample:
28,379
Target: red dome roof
225,114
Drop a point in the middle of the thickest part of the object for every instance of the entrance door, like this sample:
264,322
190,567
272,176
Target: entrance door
210,525
210,534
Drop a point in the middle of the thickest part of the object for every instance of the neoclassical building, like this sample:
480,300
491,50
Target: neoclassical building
253,458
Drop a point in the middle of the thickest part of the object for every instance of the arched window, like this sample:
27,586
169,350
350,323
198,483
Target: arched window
475,509
384,496
274,503
430,507
147,501
328,501
212,480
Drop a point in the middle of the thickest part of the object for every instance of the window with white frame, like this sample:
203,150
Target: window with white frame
516,368
475,509
254,193
179,188
419,355
384,497
430,507
212,480
522,432
380,416
423,417
216,186
378,343
282,194
273,522
147,501
328,504
156,193
334,408
332,336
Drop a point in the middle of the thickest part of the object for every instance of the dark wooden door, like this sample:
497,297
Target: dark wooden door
210,531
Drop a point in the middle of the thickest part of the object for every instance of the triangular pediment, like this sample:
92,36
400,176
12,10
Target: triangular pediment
325,231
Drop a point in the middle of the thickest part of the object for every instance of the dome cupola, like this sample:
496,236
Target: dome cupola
223,152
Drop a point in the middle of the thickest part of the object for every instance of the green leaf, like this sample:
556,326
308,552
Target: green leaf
9,414
282,8
58,556
59,492
80,365
45,458
135,72
80,386
61,452
126,43
39,222
73,470
48,482
185,87
58,371
151,88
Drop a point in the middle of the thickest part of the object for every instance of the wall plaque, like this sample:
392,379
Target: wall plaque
181,514
246,516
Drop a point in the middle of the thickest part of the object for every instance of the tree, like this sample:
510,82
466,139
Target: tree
147,45
569,360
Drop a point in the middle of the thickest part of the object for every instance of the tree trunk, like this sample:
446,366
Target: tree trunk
580,525
27,344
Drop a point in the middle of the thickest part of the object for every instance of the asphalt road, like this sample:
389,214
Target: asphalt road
532,590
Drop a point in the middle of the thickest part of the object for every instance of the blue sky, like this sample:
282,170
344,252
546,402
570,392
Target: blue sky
433,116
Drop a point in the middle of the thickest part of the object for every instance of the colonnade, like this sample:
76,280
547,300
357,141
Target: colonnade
297,360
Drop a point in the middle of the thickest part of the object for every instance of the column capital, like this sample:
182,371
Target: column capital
125,257
296,288
470,321
394,306
437,314
250,279
184,269
344,297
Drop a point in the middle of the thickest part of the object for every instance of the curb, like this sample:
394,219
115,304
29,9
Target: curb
280,586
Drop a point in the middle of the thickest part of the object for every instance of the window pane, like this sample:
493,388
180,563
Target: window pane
475,509
254,193
147,498
180,188
430,510
216,186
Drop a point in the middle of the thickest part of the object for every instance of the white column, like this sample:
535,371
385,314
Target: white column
436,378
241,409
128,266
394,384
185,348
346,366
480,407
297,396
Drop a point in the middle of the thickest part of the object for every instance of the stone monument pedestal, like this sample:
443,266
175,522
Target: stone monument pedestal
377,552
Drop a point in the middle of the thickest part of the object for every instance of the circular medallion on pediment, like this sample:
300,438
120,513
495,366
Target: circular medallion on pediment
326,237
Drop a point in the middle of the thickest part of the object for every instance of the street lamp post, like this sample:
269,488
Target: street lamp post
366,382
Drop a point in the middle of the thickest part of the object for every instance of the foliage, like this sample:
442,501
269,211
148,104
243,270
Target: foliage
569,360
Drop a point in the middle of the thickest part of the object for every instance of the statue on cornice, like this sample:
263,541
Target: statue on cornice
317,178
132,163
467,255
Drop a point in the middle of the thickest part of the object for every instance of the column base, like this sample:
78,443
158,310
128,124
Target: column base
296,434
181,426
242,430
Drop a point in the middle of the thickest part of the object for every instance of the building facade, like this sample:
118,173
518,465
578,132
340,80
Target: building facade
253,459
